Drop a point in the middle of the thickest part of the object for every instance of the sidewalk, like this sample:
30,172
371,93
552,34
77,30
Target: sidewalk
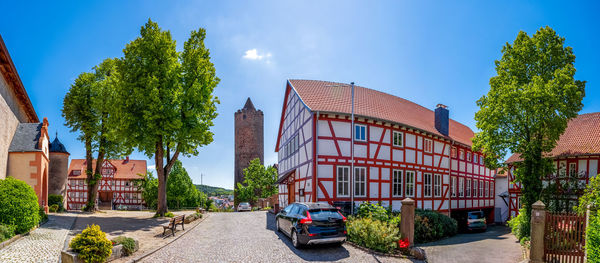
43,244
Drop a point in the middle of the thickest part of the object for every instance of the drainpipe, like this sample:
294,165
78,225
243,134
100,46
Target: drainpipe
352,154
450,178
316,149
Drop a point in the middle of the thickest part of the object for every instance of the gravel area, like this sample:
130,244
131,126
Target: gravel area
251,237
135,224
42,244
496,245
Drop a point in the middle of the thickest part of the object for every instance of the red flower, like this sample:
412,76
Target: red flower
403,243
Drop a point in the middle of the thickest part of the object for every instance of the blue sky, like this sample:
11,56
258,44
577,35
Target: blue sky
427,52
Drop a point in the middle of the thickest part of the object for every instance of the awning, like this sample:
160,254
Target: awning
286,178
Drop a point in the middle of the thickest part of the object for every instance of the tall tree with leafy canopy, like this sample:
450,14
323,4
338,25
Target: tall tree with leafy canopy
259,181
165,99
88,109
529,104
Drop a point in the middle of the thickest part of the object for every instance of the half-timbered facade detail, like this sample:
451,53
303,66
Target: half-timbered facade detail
117,188
576,157
398,151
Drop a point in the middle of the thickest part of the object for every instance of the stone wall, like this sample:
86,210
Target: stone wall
249,140
9,123
59,168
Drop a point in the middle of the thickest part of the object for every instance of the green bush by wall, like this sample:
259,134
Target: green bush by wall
56,200
373,233
431,226
18,205
593,242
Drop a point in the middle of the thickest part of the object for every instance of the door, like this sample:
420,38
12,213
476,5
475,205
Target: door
285,219
105,196
291,193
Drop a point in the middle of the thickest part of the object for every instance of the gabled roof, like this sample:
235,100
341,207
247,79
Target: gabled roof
26,138
332,97
125,169
581,137
9,71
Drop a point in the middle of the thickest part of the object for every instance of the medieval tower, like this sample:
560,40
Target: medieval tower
249,139
59,167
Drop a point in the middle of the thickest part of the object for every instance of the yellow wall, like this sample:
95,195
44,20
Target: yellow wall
19,167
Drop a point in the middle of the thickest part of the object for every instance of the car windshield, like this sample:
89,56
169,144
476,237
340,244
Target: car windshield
324,214
244,204
476,215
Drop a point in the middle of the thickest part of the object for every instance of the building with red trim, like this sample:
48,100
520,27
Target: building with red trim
401,150
577,154
117,188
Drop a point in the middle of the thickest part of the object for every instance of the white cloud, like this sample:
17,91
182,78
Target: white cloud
151,167
253,54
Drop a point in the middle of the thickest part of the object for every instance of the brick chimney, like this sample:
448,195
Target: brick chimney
442,119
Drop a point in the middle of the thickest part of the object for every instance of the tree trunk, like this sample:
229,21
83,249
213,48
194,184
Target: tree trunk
91,192
162,178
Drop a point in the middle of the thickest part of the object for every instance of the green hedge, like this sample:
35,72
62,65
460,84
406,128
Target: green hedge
431,226
56,200
520,226
127,242
373,233
593,235
18,205
6,232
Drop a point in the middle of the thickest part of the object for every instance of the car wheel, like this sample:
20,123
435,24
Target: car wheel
277,223
295,241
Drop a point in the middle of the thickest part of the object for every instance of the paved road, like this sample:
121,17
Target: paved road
43,244
497,244
250,237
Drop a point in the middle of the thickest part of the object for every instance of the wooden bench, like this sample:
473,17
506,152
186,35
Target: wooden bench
172,225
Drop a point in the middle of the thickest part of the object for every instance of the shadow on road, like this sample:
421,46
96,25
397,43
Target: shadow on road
493,232
308,253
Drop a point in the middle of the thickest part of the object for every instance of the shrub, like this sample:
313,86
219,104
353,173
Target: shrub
593,242
169,214
6,232
376,211
431,226
128,244
56,200
53,208
520,226
374,234
92,245
18,205
42,214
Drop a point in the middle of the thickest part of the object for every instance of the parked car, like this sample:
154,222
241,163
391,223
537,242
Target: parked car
476,221
312,223
245,206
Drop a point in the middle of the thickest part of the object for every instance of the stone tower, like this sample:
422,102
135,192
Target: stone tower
59,168
249,139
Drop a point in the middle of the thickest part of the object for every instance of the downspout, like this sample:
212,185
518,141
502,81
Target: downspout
450,178
316,156
352,154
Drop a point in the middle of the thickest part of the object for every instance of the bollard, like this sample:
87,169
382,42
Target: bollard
407,223
538,225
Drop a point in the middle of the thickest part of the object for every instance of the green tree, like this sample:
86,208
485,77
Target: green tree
259,182
591,195
180,189
149,188
88,109
528,106
165,101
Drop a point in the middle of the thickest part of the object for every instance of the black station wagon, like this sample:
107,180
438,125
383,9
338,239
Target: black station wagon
312,223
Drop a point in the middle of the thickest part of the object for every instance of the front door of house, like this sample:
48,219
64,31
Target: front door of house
106,196
291,193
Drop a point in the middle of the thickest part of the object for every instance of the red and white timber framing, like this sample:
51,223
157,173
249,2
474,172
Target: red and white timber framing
123,192
312,146
582,166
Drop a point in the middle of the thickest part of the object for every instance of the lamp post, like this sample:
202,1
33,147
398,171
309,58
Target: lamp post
352,129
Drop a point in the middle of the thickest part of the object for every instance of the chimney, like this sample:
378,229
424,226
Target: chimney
442,119
126,159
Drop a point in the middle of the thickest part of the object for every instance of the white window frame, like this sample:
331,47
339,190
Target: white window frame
487,188
475,187
410,184
397,180
475,158
360,181
469,156
437,185
461,154
427,177
454,152
453,180
344,183
492,189
398,143
461,187
427,142
572,169
481,188
362,137
468,191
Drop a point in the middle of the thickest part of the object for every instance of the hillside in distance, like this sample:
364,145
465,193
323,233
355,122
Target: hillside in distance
213,190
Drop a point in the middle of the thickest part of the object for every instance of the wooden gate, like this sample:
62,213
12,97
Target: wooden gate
564,238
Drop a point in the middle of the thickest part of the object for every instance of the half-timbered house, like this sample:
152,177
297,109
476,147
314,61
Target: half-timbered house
401,150
117,189
575,157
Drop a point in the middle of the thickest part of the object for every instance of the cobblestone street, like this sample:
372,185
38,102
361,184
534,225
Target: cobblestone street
496,245
251,237
41,245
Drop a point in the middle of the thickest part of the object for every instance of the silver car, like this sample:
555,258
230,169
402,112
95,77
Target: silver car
245,206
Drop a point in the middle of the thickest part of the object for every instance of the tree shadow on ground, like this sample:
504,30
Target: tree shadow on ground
308,253
493,232
117,225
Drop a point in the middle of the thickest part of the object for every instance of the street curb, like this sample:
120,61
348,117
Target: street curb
370,251
204,217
